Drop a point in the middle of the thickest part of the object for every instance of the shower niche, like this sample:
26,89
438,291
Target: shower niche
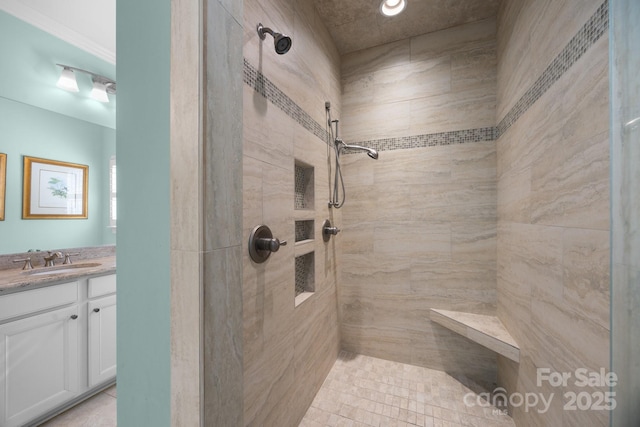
304,232
305,277
304,186
305,262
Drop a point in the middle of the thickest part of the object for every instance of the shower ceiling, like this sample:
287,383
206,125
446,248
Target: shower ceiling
357,24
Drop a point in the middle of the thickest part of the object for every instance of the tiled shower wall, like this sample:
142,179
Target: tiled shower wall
288,350
625,204
420,222
553,199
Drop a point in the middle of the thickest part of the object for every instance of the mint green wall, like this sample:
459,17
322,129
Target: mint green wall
32,131
143,250
29,72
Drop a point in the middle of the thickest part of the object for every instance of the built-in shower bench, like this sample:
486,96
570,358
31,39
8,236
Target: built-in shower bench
487,331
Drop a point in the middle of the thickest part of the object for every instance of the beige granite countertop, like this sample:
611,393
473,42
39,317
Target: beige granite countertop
16,280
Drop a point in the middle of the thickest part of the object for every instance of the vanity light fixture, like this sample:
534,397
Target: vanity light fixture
67,80
392,7
99,92
102,86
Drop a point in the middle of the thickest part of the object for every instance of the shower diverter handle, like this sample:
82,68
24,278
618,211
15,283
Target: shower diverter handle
262,243
271,244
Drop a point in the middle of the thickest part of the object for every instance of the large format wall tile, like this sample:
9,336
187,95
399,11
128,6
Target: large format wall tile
369,121
221,193
458,109
586,273
376,58
556,24
186,218
419,233
438,82
288,350
553,204
309,80
515,73
474,68
412,80
223,348
453,40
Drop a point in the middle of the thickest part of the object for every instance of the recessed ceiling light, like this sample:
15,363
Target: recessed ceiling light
392,7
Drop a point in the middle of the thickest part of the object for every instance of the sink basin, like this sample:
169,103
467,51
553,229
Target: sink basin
61,269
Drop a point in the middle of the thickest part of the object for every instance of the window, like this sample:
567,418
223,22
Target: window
113,199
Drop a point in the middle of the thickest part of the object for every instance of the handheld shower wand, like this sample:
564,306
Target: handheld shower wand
370,151
339,146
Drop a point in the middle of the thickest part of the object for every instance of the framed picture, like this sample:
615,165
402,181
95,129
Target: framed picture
53,189
3,183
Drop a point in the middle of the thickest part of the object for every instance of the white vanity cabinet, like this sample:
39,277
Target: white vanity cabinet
102,329
47,355
39,357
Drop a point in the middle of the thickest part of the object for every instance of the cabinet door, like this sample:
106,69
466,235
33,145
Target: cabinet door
102,340
38,364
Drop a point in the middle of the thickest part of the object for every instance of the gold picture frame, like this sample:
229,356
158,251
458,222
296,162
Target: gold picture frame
54,190
3,183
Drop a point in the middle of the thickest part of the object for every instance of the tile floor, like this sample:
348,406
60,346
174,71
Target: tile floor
359,391
97,411
365,391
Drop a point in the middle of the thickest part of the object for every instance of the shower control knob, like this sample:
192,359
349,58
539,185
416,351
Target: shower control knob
328,230
262,244
331,230
270,244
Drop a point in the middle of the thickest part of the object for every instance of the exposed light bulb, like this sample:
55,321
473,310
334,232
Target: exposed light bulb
67,80
392,7
99,92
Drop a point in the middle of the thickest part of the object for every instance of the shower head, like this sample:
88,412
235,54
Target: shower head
370,151
281,42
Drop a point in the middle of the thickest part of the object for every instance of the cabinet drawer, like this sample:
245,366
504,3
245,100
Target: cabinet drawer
103,285
27,302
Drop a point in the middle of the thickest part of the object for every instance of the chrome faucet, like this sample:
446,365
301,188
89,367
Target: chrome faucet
27,263
67,257
49,261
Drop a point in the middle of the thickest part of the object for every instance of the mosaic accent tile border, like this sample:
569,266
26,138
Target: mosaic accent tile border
265,87
590,32
261,84
432,139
